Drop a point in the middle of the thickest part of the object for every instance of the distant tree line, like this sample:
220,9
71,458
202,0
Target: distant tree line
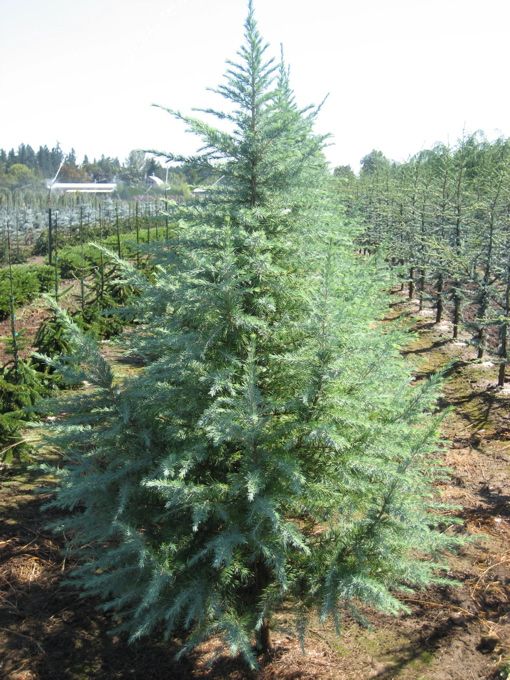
26,167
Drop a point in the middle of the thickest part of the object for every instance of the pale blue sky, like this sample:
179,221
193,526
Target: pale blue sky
401,74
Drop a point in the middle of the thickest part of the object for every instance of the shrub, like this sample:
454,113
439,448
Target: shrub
45,275
22,385
28,281
25,288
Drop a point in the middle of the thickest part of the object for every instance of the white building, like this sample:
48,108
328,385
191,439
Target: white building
82,187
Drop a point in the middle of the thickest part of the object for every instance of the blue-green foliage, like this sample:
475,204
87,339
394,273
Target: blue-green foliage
272,449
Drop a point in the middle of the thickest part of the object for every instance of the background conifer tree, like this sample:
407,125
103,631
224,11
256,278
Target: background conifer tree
271,451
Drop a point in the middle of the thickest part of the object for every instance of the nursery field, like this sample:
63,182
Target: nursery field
71,263
262,432
451,633
450,313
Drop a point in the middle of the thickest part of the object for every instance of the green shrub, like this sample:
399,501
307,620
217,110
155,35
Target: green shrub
76,261
28,281
45,275
79,260
11,442
25,287
51,339
40,246
99,323
22,385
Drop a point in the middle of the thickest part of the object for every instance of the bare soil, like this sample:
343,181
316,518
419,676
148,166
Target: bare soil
47,632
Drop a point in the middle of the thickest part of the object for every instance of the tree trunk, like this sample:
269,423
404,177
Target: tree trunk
101,260
12,313
458,252
117,229
137,227
503,353
166,212
480,344
263,638
485,302
456,315
411,283
439,299
421,288
262,580
82,271
503,336
55,255
50,238
481,333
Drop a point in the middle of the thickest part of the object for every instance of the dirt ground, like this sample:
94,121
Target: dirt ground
47,632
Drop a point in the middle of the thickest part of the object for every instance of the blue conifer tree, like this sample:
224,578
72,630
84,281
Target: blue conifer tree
271,451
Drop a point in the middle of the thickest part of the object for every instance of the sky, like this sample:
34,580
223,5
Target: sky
400,74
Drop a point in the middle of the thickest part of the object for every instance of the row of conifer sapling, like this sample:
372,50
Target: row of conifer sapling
443,218
94,298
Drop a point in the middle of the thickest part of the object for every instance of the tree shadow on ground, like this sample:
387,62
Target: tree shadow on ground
46,628
498,502
426,348
49,631
421,649
475,407
428,326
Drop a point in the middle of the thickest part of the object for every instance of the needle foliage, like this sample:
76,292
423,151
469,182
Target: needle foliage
271,451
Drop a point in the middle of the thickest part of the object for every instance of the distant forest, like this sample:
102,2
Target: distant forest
27,168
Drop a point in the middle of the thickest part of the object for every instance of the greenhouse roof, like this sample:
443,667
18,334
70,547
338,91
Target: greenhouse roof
83,187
